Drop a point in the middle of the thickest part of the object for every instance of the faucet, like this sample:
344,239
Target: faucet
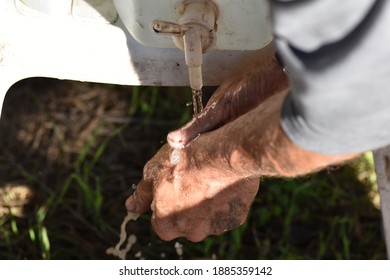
195,33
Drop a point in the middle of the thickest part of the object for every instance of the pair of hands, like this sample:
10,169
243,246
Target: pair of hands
192,190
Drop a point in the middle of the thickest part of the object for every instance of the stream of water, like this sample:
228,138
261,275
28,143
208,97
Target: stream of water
197,102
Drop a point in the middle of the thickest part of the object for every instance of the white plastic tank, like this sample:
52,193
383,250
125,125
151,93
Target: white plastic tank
240,24
57,7
197,26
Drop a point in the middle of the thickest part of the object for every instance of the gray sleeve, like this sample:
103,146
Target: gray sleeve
340,99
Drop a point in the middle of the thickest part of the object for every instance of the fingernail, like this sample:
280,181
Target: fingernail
175,139
175,136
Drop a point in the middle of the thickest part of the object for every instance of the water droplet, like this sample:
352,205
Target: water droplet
196,137
175,156
179,249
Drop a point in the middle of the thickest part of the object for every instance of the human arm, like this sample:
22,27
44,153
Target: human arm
212,187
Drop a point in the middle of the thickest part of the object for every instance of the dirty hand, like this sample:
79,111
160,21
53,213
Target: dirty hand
201,195
189,197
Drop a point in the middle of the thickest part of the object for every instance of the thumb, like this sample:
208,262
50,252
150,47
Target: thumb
212,117
139,202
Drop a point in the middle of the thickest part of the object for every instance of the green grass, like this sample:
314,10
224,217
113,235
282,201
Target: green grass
80,184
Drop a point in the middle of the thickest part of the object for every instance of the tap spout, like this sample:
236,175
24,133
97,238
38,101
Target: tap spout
193,57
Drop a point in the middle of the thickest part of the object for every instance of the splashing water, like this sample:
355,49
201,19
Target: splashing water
197,102
175,156
131,240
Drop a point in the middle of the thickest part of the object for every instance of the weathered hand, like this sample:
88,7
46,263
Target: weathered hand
207,187
202,193
189,198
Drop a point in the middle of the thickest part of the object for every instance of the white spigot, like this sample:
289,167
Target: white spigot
194,33
194,58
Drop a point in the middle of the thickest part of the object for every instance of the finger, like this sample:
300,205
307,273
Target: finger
167,229
211,118
164,228
140,201
238,206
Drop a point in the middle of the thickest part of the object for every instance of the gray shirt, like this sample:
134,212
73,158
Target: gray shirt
337,55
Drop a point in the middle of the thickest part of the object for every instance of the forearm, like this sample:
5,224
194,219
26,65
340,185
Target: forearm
261,78
256,145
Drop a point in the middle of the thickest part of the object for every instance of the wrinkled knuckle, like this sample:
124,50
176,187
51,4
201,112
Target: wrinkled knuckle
221,225
196,237
163,230
166,236
161,210
147,169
